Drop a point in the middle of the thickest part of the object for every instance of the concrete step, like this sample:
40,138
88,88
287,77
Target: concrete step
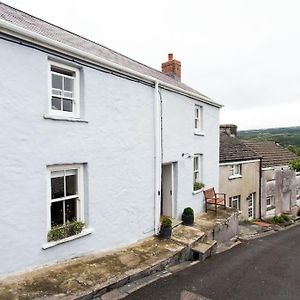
176,223
203,250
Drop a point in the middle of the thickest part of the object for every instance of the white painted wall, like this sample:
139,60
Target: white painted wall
117,145
178,137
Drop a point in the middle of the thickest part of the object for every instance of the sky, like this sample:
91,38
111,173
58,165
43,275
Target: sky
244,54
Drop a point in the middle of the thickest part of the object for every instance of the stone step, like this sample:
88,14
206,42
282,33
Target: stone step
202,250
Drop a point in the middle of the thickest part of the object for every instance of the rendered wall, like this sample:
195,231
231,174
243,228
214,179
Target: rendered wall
117,145
281,183
247,184
178,137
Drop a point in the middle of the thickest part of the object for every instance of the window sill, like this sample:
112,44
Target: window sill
235,176
70,238
200,133
270,207
62,118
197,192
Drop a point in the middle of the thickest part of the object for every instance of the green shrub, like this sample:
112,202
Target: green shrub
61,232
198,186
188,211
166,222
57,233
285,218
74,227
295,164
278,220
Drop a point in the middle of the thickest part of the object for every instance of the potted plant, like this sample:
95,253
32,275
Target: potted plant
61,232
165,228
188,216
198,186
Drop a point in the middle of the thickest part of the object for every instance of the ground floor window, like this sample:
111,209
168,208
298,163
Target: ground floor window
66,195
234,202
270,201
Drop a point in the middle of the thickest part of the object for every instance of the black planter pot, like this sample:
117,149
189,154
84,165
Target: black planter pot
165,232
188,219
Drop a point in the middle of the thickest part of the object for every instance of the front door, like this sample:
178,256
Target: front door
167,188
250,202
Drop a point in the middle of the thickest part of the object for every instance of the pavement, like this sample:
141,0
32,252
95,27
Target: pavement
260,269
94,276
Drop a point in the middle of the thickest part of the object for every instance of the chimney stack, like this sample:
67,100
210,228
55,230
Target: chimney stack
172,67
229,129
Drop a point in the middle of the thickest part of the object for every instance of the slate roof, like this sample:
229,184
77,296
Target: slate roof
36,25
272,153
232,149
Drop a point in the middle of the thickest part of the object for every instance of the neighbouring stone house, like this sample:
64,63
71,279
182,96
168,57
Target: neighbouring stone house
239,176
279,184
91,135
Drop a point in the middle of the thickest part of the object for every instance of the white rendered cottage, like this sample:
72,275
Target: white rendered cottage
88,134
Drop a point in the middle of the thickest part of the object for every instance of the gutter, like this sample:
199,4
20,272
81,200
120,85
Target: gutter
36,38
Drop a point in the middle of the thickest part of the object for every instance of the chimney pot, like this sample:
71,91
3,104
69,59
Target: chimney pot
170,56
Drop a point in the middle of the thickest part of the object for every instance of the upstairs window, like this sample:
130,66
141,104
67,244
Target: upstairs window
235,171
198,118
64,90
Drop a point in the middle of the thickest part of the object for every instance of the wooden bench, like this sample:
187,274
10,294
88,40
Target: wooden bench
213,198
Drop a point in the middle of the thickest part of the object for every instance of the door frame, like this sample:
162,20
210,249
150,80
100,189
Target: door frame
252,195
171,164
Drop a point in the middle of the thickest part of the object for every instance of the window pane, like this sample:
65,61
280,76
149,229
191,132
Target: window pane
67,105
57,213
196,123
56,103
56,92
57,187
68,94
71,210
57,81
68,84
71,185
196,163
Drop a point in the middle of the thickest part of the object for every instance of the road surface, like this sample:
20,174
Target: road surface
266,268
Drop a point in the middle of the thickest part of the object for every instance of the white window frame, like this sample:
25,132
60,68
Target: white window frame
80,194
236,171
198,119
197,174
237,199
75,99
270,199
298,193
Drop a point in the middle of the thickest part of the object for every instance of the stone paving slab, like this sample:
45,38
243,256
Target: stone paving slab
84,276
94,275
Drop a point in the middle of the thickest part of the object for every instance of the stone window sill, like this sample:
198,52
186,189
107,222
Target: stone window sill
83,233
200,133
60,118
197,192
235,177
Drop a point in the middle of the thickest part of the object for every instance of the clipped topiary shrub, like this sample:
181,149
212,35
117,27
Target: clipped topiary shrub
166,222
188,211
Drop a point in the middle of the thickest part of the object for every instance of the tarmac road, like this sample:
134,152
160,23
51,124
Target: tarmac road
265,268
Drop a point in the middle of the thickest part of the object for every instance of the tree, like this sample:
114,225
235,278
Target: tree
295,164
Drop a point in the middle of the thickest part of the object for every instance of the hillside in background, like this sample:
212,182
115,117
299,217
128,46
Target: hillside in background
288,136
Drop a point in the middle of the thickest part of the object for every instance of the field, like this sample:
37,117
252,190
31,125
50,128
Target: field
288,136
